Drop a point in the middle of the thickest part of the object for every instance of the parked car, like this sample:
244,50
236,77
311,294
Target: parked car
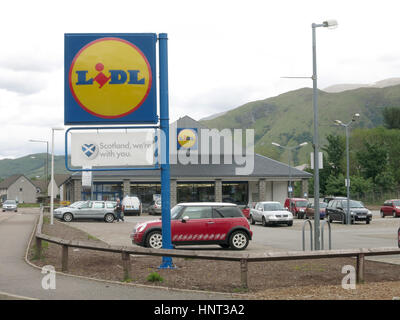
76,204
100,210
270,212
246,211
200,223
310,212
336,211
155,207
132,205
391,208
297,206
10,205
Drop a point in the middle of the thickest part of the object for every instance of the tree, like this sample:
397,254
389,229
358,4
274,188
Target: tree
335,185
373,159
335,151
391,117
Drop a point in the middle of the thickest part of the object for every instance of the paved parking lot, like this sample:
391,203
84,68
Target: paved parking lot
380,233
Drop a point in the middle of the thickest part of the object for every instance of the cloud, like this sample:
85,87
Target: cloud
22,82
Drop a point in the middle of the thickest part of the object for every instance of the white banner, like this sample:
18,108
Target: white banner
87,178
112,149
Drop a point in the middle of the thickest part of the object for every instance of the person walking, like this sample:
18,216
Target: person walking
118,209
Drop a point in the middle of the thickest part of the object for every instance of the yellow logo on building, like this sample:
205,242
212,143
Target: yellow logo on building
110,78
187,138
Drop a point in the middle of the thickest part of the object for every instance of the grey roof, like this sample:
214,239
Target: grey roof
7,182
263,168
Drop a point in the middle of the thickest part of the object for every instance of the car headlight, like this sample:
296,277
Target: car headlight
352,213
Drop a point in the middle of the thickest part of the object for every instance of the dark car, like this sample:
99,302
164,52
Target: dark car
310,210
201,223
391,208
336,211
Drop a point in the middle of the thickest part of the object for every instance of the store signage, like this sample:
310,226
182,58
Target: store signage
112,149
110,79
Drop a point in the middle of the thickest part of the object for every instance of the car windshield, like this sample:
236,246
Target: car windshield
353,204
273,207
301,203
396,203
175,212
76,204
9,202
84,205
323,204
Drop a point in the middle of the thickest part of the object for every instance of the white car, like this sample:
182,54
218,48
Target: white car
132,205
10,205
270,212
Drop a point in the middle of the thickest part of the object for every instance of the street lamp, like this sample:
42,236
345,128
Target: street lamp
331,24
47,159
290,189
347,125
52,175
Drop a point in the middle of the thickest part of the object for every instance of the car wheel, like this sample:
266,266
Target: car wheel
239,240
394,214
368,221
154,240
290,223
264,222
382,214
252,221
329,219
67,217
109,218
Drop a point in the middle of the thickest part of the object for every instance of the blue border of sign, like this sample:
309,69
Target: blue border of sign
155,167
75,114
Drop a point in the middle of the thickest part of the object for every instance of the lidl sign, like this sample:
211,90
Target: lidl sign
110,79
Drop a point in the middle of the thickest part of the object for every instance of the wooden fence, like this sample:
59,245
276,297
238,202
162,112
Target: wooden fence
244,258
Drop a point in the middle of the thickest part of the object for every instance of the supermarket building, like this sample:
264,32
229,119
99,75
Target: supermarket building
196,181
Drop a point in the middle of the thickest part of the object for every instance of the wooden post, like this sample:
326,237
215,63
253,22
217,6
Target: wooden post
360,267
38,248
64,258
126,264
243,272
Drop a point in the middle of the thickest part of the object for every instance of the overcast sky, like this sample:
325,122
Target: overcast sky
222,54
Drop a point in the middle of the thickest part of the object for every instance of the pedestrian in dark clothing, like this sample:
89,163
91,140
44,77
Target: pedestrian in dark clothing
118,209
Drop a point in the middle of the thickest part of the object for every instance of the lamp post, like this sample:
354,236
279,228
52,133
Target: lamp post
52,175
346,126
47,159
331,24
290,189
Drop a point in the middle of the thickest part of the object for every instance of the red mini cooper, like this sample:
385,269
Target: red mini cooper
201,223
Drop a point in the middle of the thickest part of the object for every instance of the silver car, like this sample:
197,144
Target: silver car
10,205
99,210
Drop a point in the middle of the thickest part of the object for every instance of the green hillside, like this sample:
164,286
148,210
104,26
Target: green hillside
32,165
288,118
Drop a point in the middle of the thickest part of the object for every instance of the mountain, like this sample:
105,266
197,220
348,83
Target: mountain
287,119
32,166
379,84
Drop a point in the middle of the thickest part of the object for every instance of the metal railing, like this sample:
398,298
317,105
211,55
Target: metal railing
243,257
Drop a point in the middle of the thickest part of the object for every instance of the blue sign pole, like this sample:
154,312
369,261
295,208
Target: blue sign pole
165,171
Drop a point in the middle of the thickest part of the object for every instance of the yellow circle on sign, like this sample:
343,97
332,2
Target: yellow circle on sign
110,78
187,138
